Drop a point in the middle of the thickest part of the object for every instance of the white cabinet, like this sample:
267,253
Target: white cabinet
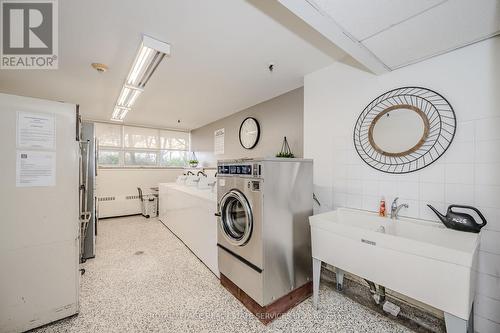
190,214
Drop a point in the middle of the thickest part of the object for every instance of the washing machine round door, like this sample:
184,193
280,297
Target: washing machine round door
236,220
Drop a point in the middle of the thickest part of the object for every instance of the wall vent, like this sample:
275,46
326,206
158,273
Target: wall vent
107,199
131,197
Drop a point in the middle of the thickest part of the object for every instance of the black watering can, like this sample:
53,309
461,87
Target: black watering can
460,221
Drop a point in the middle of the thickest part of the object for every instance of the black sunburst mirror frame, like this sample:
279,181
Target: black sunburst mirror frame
442,127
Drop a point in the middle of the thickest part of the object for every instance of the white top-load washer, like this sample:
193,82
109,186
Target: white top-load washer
263,232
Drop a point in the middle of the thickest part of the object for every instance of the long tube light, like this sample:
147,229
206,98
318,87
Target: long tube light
150,54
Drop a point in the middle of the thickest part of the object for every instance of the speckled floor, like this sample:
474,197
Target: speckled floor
145,280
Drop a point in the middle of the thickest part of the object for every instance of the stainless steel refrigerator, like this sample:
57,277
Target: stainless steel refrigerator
39,205
88,171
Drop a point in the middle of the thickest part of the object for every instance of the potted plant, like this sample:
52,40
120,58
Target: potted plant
193,161
285,150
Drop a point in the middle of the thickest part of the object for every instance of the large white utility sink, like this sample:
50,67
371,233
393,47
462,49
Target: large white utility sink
421,259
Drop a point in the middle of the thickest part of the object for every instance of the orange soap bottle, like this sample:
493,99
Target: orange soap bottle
381,209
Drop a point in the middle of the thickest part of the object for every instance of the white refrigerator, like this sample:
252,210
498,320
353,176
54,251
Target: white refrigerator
39,212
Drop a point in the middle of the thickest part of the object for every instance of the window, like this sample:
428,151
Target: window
180,141
131,146
109,157
140,158
173,158
109,135
138,137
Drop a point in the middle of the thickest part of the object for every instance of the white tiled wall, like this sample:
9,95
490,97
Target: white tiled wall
468,173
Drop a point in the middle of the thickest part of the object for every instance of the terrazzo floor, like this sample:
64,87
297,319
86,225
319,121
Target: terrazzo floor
144,279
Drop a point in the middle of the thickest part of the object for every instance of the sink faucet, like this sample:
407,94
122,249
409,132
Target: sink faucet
395,208
201,172
190,173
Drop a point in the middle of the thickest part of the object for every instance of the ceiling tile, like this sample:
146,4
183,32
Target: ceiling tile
444,28
363,18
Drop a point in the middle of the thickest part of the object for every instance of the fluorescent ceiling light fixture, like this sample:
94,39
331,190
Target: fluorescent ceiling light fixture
119,113
150,54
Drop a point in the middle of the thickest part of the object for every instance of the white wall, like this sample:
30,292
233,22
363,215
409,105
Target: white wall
278,117
468,173
120,183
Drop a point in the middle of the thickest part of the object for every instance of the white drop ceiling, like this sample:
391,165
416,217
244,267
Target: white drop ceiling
389,34
220,53
363,19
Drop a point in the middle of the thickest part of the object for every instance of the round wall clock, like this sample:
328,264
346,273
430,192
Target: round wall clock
249,133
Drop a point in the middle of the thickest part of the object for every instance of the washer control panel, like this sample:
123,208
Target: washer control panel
240,169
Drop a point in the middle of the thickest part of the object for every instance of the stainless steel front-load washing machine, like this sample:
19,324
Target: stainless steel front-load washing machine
263,230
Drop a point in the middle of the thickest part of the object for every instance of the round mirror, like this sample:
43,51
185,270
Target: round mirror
398,130
404,130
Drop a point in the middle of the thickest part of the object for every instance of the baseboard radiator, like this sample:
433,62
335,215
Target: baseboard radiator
119,205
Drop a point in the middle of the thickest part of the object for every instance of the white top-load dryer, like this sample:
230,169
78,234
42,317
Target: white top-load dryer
263,232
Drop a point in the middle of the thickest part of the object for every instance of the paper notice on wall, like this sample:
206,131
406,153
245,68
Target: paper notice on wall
219,142
35,168
36,130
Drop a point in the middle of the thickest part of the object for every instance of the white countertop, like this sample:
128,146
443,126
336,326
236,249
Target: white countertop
207,194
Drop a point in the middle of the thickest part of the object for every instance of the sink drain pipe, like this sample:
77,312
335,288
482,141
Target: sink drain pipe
378,292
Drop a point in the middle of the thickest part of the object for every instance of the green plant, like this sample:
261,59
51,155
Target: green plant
193,161
285,152
286,155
